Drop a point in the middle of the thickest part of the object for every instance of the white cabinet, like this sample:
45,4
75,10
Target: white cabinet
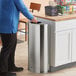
63,43
62,48
74,45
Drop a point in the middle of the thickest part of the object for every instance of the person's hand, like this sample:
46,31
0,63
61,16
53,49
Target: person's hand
34,20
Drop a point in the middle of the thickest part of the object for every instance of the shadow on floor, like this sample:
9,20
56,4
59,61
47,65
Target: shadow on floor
19,41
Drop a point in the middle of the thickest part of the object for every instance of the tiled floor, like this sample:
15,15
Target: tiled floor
22,60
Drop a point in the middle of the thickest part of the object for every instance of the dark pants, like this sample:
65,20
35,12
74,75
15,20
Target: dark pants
7,54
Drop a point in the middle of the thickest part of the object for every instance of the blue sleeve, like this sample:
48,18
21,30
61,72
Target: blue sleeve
21,6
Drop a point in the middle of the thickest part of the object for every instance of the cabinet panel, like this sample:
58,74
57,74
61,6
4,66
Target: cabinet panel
74,45
65,25
62,48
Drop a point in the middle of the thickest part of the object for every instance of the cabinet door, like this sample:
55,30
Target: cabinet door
62,48
74,45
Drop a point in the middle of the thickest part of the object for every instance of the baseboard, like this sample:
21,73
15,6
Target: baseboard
69,65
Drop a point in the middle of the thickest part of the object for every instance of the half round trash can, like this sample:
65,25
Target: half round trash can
38,48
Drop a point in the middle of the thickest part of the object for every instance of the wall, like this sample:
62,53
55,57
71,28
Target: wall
42,2
42,10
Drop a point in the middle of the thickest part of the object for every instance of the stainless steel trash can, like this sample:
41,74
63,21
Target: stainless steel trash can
38,48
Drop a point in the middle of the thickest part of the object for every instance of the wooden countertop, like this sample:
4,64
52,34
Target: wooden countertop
56,18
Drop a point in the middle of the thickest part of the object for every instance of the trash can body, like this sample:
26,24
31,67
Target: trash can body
38,48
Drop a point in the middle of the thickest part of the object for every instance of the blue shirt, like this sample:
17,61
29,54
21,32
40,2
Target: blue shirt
9,15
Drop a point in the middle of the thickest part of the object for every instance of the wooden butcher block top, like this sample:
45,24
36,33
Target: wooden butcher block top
56,18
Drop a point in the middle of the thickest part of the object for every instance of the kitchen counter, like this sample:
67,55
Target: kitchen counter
62,39
56,18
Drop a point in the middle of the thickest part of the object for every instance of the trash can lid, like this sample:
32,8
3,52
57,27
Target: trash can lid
35,23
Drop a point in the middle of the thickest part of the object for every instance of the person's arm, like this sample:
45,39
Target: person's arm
21,6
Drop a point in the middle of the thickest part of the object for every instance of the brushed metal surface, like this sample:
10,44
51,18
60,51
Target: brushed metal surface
38,48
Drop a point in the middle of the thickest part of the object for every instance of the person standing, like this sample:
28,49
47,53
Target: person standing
9,19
